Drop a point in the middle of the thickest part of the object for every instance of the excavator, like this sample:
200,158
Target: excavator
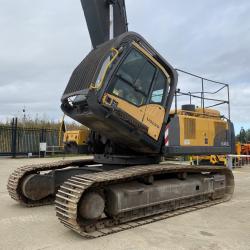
123,91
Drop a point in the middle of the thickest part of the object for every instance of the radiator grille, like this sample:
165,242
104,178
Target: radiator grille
220,129
189,128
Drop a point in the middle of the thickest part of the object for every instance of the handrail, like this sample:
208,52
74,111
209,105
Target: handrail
206,95
209,80
199,97
92,86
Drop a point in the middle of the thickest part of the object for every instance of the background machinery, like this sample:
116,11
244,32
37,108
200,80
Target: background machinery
123,91
209,160
76,141
242,148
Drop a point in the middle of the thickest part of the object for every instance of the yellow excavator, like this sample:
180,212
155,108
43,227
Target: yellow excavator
123,91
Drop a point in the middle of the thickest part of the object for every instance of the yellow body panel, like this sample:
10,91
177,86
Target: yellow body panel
80,137
210,112
199,112
151,115
199,131
153,119
136,112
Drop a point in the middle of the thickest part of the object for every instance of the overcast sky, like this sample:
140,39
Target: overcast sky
41,43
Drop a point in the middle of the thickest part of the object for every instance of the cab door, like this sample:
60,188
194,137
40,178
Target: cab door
131,84
155,110
139,88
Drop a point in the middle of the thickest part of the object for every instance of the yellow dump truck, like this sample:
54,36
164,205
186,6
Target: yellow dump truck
76,141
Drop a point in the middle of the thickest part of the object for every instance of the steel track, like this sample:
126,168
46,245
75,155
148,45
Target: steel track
16,178
70,193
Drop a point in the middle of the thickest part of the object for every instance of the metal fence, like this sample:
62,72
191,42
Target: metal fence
20,140
234,161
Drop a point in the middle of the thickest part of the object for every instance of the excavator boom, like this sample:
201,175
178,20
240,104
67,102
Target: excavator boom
105,19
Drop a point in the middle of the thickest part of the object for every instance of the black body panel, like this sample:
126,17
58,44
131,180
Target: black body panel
86,72
196,150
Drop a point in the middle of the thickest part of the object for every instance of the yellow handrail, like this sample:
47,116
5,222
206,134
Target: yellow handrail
92,86
60,131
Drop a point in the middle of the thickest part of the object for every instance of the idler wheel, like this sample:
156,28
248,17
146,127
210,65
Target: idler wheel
36,187
91,206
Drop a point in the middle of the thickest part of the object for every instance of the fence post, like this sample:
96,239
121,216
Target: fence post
14,137
42,141
229,162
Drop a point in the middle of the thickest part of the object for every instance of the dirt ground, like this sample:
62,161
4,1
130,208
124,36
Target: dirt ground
225,226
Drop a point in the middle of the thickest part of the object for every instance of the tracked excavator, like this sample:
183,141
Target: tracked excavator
123,91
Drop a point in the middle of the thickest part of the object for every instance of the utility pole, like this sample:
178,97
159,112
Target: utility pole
24,115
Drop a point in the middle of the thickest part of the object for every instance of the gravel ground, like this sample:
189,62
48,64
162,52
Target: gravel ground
225,226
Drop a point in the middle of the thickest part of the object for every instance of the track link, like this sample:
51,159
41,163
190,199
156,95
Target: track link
70,193
16,178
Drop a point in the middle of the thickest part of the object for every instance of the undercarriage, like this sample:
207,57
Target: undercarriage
97,199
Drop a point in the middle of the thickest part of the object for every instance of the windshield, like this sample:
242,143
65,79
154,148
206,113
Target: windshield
134,78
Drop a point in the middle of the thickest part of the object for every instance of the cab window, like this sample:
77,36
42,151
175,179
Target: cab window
133,79
159,89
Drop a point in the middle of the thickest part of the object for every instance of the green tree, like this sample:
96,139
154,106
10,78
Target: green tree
243,136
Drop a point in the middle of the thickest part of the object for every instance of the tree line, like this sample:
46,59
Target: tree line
243,136
43,123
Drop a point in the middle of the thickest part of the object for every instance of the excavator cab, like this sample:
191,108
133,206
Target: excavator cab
140,87
125,96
